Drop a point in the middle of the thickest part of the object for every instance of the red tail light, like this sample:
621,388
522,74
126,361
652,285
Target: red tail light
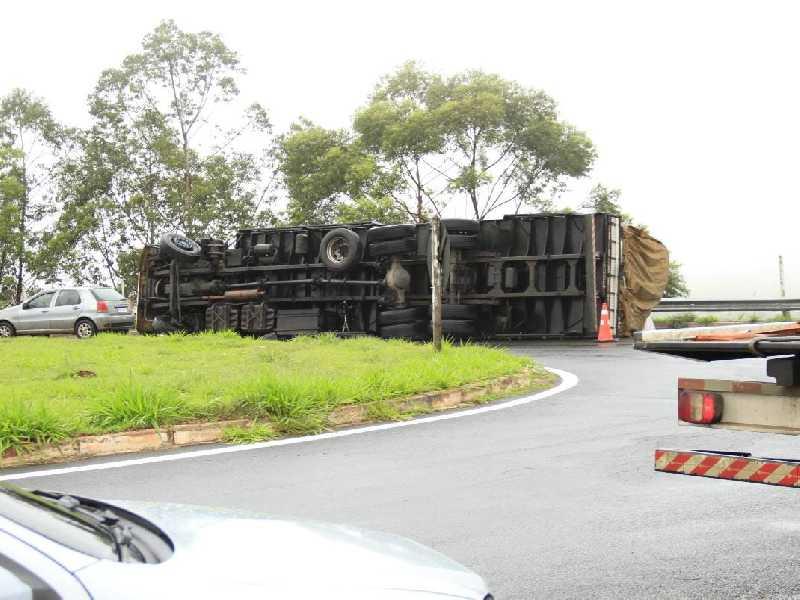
699,407
102,306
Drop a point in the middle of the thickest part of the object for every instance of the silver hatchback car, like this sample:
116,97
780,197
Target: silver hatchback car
80,310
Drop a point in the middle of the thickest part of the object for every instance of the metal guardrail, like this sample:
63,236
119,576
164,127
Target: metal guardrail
769,305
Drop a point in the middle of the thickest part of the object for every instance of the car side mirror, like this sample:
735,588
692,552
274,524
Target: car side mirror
25,306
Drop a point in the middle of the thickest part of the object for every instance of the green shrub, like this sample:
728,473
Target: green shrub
137,407
258,432
708,320
22,425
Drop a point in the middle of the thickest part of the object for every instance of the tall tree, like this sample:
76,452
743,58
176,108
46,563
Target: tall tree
403,132
10,193
676,284
32,143
603,199
606,200
156,157
473,136
331,177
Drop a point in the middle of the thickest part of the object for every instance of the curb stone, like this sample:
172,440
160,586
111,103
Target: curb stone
190,434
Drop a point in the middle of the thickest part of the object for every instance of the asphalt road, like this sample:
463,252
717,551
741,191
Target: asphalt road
553,499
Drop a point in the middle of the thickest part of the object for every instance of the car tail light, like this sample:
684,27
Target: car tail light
699,407
102,306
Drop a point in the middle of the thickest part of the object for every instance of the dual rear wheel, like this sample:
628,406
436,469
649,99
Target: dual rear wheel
458,321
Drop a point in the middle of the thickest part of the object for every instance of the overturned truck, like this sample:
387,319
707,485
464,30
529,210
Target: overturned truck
538,275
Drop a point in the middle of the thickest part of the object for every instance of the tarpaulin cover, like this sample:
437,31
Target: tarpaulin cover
646,271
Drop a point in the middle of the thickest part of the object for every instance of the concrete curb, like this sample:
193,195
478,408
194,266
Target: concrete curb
208,433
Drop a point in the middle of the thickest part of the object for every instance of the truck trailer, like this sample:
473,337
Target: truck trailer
535,275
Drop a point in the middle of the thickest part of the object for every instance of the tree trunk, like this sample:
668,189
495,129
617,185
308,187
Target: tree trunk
3,262
419,195
473,196
23,225
21,246
473,191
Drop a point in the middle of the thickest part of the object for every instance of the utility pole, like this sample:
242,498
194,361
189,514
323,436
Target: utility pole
786,314
436,285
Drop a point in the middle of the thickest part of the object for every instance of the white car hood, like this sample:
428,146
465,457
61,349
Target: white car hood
219,551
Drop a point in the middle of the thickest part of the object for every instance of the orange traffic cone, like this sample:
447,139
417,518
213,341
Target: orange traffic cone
604,331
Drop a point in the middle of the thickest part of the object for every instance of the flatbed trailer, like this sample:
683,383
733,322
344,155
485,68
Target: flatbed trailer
538,275
734,404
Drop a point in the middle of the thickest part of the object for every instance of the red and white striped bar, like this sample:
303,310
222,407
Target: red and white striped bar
770,471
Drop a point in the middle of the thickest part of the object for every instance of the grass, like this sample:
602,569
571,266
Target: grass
677,321
258,432
56,388
681,320
707,320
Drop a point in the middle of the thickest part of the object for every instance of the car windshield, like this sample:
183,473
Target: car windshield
107,294
49,519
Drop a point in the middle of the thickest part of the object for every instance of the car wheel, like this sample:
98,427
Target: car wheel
401,315
84,329
340,249
7,330
390,247
390,232
467,226
175,245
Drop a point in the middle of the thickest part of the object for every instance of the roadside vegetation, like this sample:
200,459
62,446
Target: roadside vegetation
682,320
57,388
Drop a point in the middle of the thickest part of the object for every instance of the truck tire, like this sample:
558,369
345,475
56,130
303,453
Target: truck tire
460,328
390,247
175,245
462,241
468,226
467,312
340,249
390,232
409,331
401,315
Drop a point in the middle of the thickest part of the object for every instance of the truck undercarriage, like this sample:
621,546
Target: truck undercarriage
540,275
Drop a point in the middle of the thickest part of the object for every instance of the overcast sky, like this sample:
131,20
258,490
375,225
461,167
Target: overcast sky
694,106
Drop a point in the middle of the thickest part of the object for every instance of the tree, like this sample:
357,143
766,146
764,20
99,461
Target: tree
474,135
605,200
155,161
10,191
402,131
330,177
32,145
676,285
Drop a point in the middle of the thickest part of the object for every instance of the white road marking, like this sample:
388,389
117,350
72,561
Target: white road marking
568,380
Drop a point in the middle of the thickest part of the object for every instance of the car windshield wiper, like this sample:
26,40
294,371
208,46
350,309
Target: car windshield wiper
102,521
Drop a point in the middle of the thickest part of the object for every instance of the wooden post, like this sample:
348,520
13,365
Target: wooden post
436,286
786,314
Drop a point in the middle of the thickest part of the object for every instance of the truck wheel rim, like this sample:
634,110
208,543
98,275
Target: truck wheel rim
337,250
84,330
